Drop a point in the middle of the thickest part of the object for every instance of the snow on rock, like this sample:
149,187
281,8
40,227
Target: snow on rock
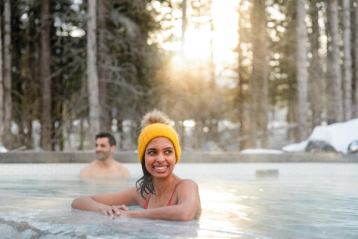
261,151
339,135
2,149
299,147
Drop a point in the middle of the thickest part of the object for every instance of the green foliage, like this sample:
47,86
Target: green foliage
130,62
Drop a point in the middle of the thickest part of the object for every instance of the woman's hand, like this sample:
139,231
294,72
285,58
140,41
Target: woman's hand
113,211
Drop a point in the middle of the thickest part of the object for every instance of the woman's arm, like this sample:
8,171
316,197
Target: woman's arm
108,204
187,208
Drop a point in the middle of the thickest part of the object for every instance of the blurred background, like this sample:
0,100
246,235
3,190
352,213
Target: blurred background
231,74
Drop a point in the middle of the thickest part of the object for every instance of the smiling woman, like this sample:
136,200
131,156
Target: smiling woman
159,190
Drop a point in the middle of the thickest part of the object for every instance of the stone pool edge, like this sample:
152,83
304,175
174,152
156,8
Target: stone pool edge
188,157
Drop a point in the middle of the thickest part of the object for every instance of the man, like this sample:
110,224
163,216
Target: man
105,166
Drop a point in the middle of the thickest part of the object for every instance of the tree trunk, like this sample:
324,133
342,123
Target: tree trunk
45,74
335,104
28,137
120,132
292,113
316,82
197,140
259,75
7,75
356,60
92,76
347,60
103,65
213,114
245,137
1,88
81,136
211,59
301,68
183,25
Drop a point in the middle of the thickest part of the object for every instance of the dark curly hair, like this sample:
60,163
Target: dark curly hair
145,184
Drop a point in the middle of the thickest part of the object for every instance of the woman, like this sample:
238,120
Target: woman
160,192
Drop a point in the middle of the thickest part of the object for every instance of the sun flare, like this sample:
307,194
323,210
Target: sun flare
203,40
197,45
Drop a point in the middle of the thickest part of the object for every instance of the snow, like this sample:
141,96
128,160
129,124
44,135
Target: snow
2,149
261,151
299,147
339,135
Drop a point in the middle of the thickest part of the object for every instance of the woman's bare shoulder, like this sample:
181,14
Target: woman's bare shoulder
187,184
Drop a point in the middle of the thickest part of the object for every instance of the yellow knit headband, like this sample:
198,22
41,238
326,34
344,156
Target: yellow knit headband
158,130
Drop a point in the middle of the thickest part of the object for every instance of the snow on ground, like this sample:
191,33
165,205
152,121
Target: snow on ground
2,149
261,151
339,135
299,147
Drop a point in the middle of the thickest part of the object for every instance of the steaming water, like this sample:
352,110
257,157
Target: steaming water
302,201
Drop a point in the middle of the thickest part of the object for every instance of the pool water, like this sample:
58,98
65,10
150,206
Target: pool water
302,201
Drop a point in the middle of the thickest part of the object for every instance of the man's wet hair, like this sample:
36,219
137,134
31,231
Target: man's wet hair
109,136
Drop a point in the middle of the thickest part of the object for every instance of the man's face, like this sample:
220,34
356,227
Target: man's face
103,149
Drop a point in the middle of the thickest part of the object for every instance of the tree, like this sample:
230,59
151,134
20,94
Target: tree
26,84
68,64
103,63
129,66
316,80
1,88
92,76
183,23
259,74
356,59
283,77
301,68
45,74
335,100
347,82
7,75
243,99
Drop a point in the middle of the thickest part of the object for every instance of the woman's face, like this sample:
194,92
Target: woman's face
160,157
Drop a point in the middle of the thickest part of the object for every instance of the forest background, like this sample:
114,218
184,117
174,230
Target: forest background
232,74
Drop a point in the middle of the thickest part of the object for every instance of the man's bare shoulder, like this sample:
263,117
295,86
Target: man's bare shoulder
96,170
123,170
86,171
